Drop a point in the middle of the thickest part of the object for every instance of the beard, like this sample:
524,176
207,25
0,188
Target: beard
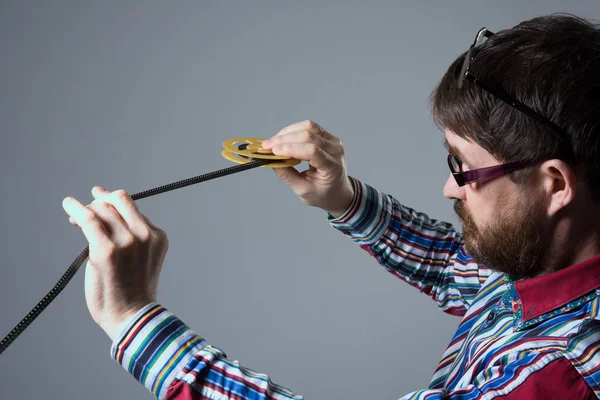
514,243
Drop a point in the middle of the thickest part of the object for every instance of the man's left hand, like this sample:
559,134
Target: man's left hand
126,253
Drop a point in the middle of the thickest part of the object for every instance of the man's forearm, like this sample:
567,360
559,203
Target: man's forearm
415,248
174,363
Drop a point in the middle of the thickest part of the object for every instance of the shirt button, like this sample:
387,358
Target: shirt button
490,316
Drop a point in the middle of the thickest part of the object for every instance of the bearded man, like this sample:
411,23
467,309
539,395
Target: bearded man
521,115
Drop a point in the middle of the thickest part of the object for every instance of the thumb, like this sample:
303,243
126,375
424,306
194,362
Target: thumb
290,176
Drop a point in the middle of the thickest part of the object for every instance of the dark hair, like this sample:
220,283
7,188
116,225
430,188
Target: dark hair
551,64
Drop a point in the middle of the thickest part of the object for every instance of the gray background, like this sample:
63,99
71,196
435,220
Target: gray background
133,95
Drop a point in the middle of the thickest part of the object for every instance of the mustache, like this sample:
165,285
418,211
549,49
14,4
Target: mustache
463,214
468,225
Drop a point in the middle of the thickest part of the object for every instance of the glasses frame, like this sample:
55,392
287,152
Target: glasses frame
481,174
463,178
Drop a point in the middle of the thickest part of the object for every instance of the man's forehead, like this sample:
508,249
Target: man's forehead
448,146
453,140
452,143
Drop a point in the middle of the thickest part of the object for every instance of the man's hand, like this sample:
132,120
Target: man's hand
126,253
325,184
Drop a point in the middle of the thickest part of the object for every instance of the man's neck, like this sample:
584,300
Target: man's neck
571,246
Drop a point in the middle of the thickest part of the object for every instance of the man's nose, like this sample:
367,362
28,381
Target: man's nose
452,190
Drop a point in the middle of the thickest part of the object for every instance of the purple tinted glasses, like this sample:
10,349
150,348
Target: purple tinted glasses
481,174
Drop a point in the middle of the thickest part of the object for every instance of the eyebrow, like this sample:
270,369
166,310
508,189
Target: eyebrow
456,152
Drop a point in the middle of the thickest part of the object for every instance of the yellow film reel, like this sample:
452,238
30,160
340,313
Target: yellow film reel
244,150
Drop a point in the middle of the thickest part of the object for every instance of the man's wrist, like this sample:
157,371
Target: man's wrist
347,195
154,346
115,326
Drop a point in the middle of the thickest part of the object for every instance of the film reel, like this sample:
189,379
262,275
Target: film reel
244,150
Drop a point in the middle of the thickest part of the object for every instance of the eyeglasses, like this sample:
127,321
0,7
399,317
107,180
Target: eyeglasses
462,178
481,174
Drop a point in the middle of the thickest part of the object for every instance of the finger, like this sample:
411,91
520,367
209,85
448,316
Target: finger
302,136
150,224
305,151
292,128
307,125
326,135
130,213
97,192
115,225
90,223
290,176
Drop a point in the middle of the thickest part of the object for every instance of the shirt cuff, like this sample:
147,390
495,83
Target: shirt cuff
367,217
154,346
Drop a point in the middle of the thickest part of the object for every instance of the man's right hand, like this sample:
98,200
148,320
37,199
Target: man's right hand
325,184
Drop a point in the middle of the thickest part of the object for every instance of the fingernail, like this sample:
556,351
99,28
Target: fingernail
266,143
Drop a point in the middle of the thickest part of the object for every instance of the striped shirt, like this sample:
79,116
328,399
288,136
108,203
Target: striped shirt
534,338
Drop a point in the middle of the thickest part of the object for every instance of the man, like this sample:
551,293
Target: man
522,125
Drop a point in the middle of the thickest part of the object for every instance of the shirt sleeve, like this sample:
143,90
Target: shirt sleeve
174,363
426,253
532,376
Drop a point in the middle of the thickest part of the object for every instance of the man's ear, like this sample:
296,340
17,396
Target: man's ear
559,184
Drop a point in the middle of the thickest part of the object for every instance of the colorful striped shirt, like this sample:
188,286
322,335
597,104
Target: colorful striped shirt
535,338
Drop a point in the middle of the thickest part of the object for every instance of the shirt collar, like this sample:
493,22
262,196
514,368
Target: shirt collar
548,292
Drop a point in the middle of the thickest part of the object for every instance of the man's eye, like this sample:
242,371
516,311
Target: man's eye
463,165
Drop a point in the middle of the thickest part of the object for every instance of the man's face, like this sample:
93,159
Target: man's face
505,226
